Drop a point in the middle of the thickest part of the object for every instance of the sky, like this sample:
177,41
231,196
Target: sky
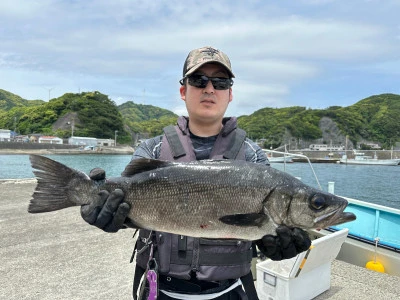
310,53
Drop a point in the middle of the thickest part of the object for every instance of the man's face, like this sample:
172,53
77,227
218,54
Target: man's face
207,104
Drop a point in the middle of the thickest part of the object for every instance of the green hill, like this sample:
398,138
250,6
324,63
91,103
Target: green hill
373,119
9,100
146,120
88,114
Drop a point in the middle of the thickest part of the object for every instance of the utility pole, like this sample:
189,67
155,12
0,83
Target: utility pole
115,138
72,123
49,91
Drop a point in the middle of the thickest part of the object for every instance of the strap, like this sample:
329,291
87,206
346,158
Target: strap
236,144
249,287
174,142
241,293
139,271
134,249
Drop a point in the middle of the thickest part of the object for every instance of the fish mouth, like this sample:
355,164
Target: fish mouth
336,217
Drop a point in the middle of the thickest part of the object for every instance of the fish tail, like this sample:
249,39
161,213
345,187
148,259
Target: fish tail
55,185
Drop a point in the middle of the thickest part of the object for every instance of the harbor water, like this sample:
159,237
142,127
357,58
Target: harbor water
374,184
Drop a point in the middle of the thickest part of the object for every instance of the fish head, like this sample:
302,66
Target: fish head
306,207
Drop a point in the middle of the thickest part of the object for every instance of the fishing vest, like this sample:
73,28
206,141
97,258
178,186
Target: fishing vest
177,255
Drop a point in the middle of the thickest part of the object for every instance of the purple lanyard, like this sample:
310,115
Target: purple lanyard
152,276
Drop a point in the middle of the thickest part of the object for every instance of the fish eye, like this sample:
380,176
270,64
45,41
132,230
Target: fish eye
317,202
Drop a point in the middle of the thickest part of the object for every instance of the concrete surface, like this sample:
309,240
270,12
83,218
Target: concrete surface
58,256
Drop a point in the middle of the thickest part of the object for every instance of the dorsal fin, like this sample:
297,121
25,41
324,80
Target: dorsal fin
140,165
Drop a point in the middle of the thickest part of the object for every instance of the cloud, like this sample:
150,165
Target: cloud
122,47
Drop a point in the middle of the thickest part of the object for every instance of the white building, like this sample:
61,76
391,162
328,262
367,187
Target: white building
373,146
324,147
50,140
105,142
5,135
82,141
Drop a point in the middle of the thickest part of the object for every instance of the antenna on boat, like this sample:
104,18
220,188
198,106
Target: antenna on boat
373,264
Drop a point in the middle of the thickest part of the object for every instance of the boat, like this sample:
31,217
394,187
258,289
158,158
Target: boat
280,159
371,242
373,236
284,157
361,159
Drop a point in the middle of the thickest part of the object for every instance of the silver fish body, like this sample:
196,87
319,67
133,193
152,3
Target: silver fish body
210,198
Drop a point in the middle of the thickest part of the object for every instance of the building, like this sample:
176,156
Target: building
82,141
21,138
50,140
373,146
324,147
105,142
5,135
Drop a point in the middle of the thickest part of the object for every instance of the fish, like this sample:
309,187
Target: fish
223,199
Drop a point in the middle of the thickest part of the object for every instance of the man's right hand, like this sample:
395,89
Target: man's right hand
108,211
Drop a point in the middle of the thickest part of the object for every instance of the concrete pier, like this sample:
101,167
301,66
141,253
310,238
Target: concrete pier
58,256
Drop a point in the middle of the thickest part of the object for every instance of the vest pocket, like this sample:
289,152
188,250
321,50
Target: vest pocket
164,244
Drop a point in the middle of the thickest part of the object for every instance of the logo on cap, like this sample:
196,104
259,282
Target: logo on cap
210,51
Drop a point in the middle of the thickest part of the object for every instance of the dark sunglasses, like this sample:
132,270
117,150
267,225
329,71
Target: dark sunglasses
201,81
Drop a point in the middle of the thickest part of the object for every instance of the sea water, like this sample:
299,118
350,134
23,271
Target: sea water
375,184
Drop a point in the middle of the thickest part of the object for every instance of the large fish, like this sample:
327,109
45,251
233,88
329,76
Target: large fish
209,198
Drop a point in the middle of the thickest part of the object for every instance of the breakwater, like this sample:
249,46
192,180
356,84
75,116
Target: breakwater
333,156
36,148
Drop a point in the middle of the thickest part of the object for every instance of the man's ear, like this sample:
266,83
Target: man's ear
182,91
230,95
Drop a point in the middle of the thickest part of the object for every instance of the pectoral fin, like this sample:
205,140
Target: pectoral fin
253,219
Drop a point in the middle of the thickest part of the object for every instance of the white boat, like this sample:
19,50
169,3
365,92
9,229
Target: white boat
284,157
361,159
280,159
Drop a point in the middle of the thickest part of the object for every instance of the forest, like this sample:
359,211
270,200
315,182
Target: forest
94,114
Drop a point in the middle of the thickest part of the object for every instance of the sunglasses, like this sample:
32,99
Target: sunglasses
201,81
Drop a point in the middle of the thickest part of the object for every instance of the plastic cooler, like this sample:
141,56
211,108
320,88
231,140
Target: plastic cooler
302,277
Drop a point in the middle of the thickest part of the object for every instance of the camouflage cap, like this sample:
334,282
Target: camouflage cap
198,57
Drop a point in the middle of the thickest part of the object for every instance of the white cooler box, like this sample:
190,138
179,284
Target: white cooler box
302,277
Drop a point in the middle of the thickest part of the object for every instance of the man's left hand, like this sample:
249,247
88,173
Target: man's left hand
286,244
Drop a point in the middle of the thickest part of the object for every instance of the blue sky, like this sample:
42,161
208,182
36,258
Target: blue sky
312,53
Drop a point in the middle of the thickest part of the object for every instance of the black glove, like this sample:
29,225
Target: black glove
286,244
108,211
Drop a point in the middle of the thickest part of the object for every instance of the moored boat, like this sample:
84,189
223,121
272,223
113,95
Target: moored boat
361,159
280,159
284,157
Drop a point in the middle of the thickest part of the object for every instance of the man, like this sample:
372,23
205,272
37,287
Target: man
187,267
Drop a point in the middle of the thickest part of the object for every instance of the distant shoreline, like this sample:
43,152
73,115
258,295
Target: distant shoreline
119,150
